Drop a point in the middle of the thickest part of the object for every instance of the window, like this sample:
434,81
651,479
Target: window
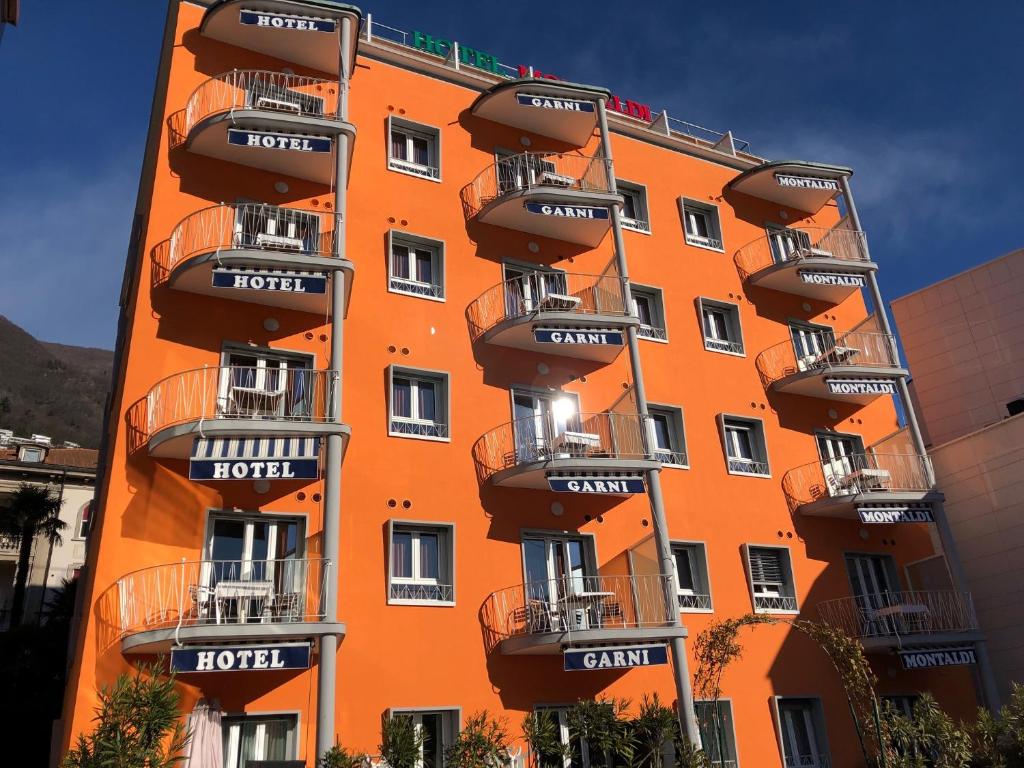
801,724
745,449
771,579
581,753
438,729
701,223
419,403
649,307
422,563
416,266
717,732
264,384
555,568
82,524
414,149
31,455
691,570
720,323
902,704
788,244
634,208
813,345
668,435
1015,407
253,737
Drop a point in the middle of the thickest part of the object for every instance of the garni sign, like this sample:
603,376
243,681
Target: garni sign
940,657
831,278
440,46
806,182
562,336
568,211
268,140
626,657
238,658
549,102
607,485
861,386
224,277
895,514
285,21
625,106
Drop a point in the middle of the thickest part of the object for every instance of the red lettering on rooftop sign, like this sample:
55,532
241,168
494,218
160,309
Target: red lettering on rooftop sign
625,106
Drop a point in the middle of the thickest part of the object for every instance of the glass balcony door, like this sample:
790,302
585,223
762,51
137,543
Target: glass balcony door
528,290
262,385
538,419
811,344
873,580
838,461
268,227
558,569
787,243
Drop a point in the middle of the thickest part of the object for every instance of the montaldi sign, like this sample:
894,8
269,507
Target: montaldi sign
627,657
861,386
942,657
625,106
548,102
239,658
268,140
568,211
558,336
831,278
268,281
606,485
806,182
890,515
285,21
440,46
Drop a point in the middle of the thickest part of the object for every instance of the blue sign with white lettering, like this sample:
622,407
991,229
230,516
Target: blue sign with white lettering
240,658
563,336
568,211
286,21
609,485
268,140
269,281
253,469
626,657
548,102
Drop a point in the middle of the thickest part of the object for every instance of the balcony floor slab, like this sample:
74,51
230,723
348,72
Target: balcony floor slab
812,383
786,277
175,441
161,640
509,211
534,474
517,333
550,643
846,506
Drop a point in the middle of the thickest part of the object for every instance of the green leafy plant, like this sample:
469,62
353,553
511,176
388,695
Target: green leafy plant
400,741
541,731
137,725
599,725
654,727
482,743
339,757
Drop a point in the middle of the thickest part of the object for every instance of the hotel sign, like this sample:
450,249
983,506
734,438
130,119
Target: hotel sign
286,21
861,386
889,515
806,182
942,657
269,281
607,485
239,658
831,278
268,140
561,336
442,47
568,211
579,660
547,102
254,469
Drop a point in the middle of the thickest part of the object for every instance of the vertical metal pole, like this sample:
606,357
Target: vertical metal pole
328,663
684,688
989,690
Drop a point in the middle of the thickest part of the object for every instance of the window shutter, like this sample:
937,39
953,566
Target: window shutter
766,566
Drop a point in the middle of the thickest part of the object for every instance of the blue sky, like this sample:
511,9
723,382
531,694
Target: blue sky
924,100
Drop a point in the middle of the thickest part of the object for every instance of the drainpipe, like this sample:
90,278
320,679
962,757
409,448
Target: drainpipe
684,688
988,689
328,663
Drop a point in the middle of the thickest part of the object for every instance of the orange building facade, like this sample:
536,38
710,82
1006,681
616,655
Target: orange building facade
446,386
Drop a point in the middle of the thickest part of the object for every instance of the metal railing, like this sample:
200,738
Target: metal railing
421,428
856,473
443,593
531,170
257,90
9,543
636,225
694,602
652,332
748,466
249,226
848,245
577,603
543,438
671,457
824,351
242,392
775,603
704,242
539,292
709,135
216,592
894,614
807,761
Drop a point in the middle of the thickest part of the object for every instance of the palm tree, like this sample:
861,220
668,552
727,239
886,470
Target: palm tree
30,511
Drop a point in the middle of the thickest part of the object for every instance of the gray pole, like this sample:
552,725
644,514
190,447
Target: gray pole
684,688
989,690
328,663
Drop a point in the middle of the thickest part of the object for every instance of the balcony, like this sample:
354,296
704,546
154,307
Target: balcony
305,32
603,453
277,257
901,620
821,264
871,487
795,184
245,415
573,315
284,124
546,617
856,367
559,110
217,601
561,196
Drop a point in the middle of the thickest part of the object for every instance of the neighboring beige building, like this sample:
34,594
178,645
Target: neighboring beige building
964,342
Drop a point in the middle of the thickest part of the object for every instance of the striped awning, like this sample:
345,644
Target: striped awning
255,458
270,272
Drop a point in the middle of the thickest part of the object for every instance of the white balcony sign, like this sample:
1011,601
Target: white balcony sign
568,211
941,657
626,657
605,485
831,278
806,182
895,514
861,386
565,336
285,21
547,102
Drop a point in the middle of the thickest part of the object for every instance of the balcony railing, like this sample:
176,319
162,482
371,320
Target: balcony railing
540,292
532,170
250,89
9,543
694,602
791,245
824,351
807,761
855,474
578,603
543,438
217,592
242,392
895,614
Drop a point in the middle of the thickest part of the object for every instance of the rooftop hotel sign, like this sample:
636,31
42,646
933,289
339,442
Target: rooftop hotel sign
440,46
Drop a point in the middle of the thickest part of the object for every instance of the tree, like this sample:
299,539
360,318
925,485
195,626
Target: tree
31,511
137,725
482,743
400,742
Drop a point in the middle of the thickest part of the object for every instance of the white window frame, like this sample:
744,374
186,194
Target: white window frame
733,345
444,403
434,291
34,450
639,194
410,129
818,722
732,732
698,556
759,464
445,560
657,299
234,741
84,517
451,728
286,360
714,240
677,428
788,590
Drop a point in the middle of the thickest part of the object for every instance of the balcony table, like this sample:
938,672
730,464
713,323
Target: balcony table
865,479
576,443
576,609
243,592
560,302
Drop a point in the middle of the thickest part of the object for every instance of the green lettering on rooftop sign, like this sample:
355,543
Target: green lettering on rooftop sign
442,47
